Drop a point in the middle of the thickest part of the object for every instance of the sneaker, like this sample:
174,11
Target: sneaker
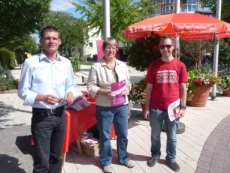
107,169
152,162
173,165
129,164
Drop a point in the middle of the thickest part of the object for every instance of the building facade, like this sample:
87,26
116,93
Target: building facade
186,6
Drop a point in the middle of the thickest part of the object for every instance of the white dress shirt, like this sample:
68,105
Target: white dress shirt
41,76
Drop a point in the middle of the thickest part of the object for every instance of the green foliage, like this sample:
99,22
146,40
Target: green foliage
86,63
137,93
195,50
225,80
123,13
224,51
225,8
7,59
201,78
7,84
19,18
143,51
74,31
76,65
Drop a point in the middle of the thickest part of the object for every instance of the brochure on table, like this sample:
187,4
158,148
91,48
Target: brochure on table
79,104
117,89
173,110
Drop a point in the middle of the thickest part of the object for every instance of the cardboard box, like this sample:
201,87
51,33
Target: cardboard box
89,147
91,153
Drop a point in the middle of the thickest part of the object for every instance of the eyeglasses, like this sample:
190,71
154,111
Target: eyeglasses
111,48
167,46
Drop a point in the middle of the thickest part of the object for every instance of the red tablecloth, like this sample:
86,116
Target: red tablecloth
79,121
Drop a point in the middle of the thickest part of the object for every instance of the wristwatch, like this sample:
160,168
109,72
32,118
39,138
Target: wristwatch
183,107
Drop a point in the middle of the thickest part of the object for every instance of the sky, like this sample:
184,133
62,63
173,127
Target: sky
65,5
62,5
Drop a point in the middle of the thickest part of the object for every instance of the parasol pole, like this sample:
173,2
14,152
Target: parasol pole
216,51
177,50
106,19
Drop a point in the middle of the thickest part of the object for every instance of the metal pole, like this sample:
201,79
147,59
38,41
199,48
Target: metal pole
177,49
216,51
106,19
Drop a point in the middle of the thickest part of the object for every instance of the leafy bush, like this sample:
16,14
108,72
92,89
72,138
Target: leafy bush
143,51
225,80
76,65
7,59
137,93
7,84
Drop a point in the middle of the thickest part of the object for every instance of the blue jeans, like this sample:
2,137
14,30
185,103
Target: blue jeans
119,117
157,117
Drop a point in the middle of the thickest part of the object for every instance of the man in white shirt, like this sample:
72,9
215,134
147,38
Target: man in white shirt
46,84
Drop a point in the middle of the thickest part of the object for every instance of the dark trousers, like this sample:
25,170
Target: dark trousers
48,130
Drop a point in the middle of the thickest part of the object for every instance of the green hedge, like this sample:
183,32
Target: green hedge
7,59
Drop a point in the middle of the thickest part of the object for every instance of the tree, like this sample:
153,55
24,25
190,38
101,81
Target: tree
224,52
196,50
74,31
225,15
19,18
122,13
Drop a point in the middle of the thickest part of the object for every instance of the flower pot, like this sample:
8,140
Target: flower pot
227,92
200,97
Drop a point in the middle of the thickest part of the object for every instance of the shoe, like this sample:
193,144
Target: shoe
173,165
107,169
129,164
152,162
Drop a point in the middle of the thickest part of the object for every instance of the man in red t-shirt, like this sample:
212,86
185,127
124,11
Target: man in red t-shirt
166,82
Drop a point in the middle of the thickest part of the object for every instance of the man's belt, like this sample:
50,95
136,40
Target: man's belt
53,112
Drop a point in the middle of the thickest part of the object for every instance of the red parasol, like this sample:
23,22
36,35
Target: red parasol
191,26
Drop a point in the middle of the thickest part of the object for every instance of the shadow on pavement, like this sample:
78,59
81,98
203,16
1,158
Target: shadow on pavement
10,164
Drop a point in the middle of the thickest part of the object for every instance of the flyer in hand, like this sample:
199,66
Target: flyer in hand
173,110
117,89
79,104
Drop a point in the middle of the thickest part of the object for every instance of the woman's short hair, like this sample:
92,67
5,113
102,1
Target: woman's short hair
166,36
109,41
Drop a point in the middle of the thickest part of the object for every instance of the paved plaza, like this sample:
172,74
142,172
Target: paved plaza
204,147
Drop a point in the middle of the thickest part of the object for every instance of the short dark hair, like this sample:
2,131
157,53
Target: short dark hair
166,36
50,29
109,41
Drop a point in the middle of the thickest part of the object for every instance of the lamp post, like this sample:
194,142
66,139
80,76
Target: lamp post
106,18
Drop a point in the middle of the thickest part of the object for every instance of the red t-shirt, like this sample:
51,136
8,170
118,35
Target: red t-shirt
165,77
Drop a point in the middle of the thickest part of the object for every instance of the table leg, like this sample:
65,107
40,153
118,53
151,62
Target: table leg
76,147
63,157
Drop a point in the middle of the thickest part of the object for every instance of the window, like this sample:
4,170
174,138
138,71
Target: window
91,44
158,9
168,1
189,5
168,9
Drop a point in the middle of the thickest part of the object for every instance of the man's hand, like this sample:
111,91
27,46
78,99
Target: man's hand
146,114
69,98
181,113
50,99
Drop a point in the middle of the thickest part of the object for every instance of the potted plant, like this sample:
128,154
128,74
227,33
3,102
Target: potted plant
224,85
199,84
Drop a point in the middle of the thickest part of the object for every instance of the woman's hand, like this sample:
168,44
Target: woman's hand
126,92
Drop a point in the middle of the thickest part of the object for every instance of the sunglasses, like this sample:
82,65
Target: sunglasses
167,46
